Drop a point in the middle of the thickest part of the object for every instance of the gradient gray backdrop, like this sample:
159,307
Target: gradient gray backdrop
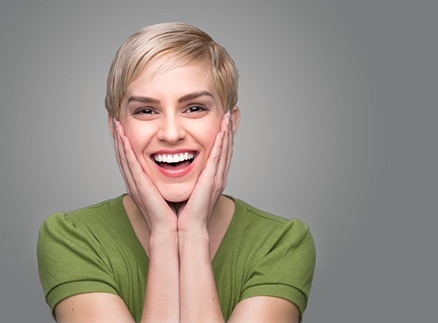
339,105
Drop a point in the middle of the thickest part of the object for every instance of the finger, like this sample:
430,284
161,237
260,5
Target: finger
132,163
119,153
122,161
223,164
146,192
136,177
230,145
139,186
211,182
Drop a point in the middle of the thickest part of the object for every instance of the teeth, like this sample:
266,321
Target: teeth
176,158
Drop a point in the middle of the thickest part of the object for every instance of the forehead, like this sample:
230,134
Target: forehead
163,74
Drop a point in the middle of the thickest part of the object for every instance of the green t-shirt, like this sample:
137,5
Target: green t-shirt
95,249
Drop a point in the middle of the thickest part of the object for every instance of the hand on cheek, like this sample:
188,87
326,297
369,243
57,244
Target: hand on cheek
212,181
207,191
142,191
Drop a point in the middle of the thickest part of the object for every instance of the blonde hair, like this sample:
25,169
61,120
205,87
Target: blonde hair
180,44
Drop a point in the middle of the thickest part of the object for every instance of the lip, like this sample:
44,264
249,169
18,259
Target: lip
180,172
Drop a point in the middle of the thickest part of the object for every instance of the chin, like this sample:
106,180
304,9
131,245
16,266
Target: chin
176,195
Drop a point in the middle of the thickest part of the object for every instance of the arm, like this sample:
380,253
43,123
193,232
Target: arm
265,309
161,302
199,298
109,308
93,307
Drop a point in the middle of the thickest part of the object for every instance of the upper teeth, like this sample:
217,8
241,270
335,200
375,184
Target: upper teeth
175,158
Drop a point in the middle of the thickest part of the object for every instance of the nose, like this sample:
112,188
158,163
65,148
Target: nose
171,129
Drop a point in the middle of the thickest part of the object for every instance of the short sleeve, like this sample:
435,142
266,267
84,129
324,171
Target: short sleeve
283,267
71,260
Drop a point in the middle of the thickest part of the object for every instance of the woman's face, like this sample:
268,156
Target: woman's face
172,118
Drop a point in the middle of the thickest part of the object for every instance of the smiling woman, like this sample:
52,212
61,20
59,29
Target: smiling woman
168,113
174,248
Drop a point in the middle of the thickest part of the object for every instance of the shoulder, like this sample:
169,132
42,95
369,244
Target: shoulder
75,250
278,254
93,216
80,231
263,236
254,219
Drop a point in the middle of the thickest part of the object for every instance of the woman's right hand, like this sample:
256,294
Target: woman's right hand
156,211
162,290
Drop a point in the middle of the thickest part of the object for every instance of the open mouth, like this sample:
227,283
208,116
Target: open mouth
174,161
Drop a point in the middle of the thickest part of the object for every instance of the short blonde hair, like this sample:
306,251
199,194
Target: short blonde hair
180,43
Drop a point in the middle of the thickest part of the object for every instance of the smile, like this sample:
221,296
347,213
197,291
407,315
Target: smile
175,165
174,158
164,160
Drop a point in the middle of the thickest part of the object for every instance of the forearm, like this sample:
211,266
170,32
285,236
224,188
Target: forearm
199,299
162,289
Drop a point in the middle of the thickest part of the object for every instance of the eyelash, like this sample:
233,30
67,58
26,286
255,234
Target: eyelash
199,108
144,111
192,109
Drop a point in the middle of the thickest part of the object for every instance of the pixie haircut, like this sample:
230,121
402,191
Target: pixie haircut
179,44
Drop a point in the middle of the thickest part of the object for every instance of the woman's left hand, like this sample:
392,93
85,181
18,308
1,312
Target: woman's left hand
197,211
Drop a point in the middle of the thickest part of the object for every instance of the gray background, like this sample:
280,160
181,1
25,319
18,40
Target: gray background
339,105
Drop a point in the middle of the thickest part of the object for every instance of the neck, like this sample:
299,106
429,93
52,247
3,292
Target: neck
176,206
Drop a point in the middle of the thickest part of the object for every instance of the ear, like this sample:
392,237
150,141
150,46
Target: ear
235,119
112,125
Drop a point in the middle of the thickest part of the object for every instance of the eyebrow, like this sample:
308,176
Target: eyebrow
187,97
142,99
195,95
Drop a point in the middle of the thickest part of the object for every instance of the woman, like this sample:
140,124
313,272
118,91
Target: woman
174,249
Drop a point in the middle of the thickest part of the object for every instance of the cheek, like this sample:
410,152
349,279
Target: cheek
210,135
138,137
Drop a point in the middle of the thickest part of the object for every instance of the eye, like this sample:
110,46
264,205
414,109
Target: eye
144,111
196,109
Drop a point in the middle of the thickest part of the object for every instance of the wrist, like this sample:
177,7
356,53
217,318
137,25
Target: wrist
194,243
163,242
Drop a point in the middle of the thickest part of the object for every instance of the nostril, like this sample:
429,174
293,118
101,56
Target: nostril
171,132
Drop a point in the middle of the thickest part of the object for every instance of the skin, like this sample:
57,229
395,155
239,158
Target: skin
179,218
